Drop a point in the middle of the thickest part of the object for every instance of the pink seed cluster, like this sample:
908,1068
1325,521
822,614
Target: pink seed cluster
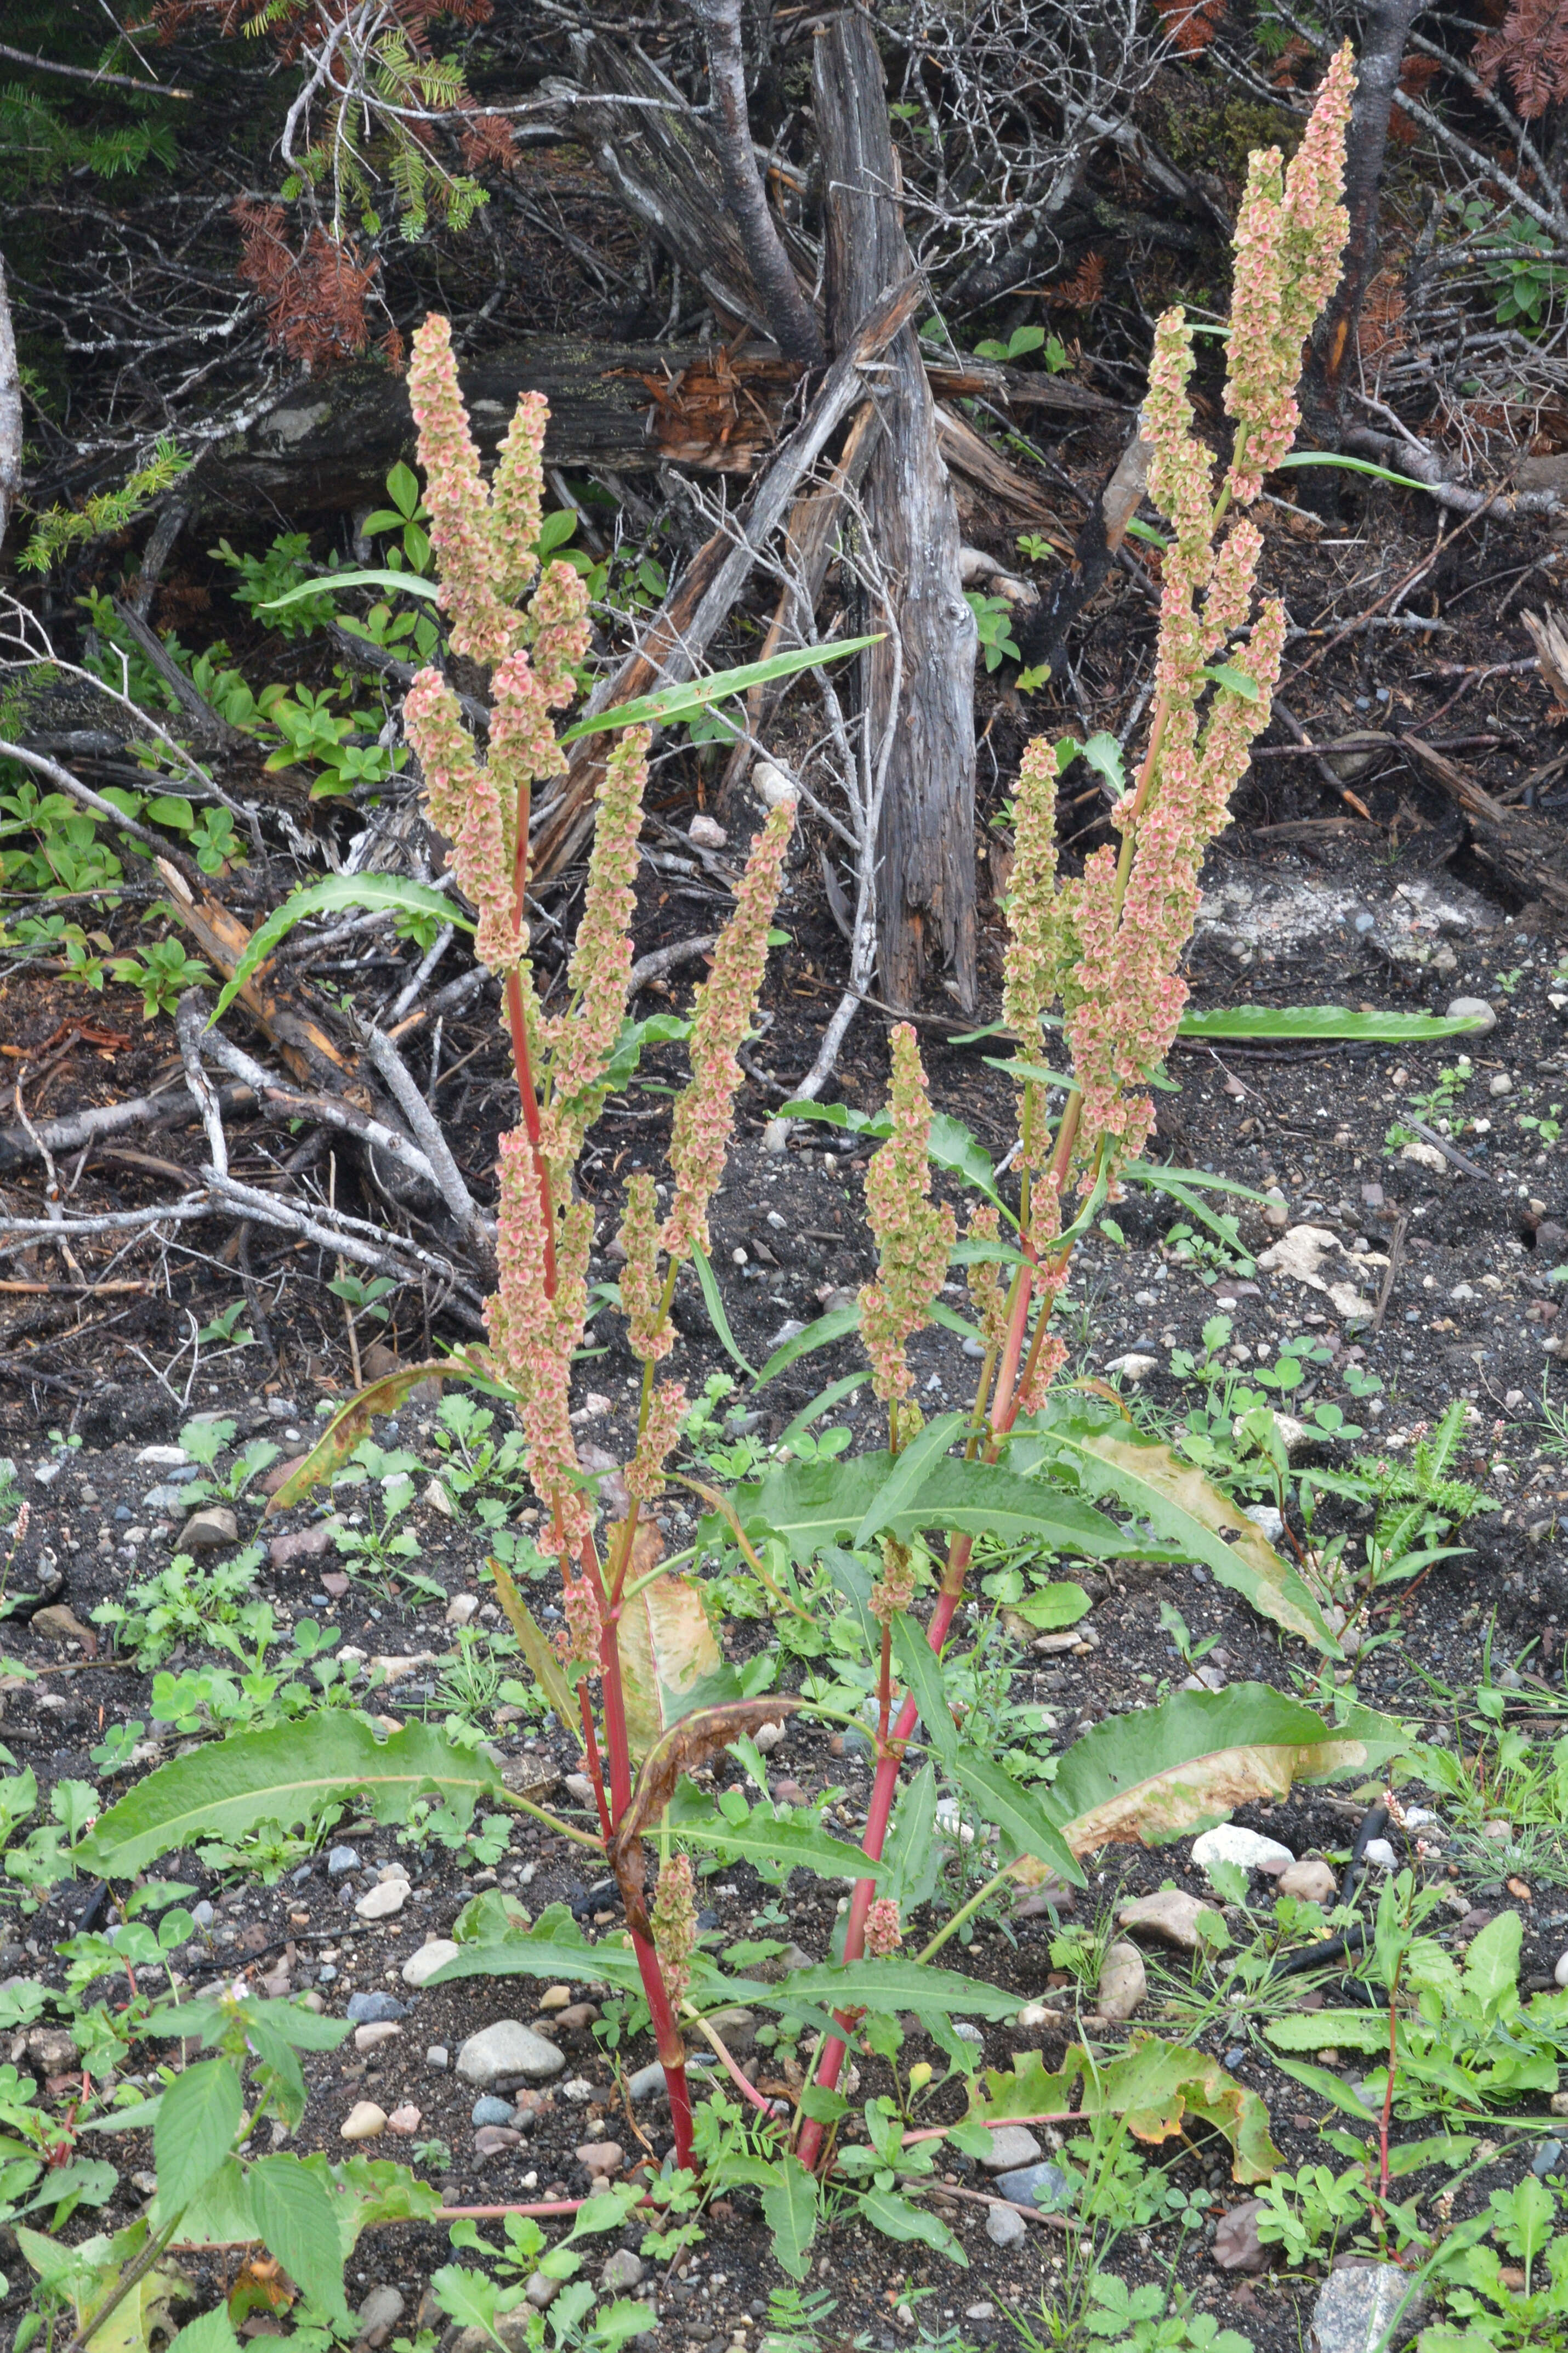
673,1919
577,1644
1289,234
987,1292
585,1037
665,1412
914,1234
642,1292
884,1933
724,1004
533,1335
1032,966
895,1588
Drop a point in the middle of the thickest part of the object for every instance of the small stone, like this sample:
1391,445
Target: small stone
363,2122
422,1966
557,1997
541,2292
1236,2245
771,785
1559,2104
647,2083
1011,2146
1004,2228
490,2110
435,1495
379,2030
303,1544
577,2020
1248,1849
341,1859
579,2091
461,1608
384,2307
1380,1854
706,832
209,1530
1560,1971
375,2009
380,1901
164,1458
736,2028
1475,1011
1547,2158
1036,2184
1311,1880
494,2140
601,2156
581,1788
1500,1832
621,2273
1133,1367
1123,1980
1501,1084
61,1624
1378,2310
980,2312
767,1736
1171,1914
505,2053
202,1913
438,2057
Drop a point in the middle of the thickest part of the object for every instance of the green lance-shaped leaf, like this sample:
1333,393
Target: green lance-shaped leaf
1157,1775
791,2205
197,2119
1242,1024
770,1839
900,2218
1020,1814
536,1650
329,898
720,686
810,1505
284,1776
909,1476
921,1670
1190,1512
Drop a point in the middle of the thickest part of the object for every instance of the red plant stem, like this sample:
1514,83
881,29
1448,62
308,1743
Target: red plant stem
590,1751
885,1686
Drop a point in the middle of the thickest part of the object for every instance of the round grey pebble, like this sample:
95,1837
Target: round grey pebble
491,2111
1004,2228
373,2008
1475,1009
341,1859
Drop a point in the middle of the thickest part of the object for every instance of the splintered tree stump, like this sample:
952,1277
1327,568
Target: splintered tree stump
927,885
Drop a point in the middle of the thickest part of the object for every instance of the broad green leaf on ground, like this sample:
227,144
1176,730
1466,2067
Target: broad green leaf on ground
1145,1779
1189,1511
1239,1023
886,1985
213,2333
197,2119
1160,2087
811,1504
536,1650
220,2215
1053,1606
1017,1812
293,2210
900,2218
329,898
355,1420
790,2209
667,1651
284,1776
698,693
1331,2030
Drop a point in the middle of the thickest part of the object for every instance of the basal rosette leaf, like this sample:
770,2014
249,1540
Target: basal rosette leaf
1158,2087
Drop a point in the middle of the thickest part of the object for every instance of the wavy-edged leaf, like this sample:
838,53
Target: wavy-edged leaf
536,1648
893,1984
1331,2030
666,1647
1270,1023
543,1957
1156,2085
197,2119
212,2333
791,2205
1144,1779
1329,2086
329,898
353,1419
908,1476
769,1839
900,2218
698,693
284,1776
958,1149
1190,1512
836,1325
1054,1606
1017,1812
810,1505
293,2211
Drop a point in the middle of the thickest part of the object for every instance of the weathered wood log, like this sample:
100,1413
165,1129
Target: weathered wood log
680,634
927,895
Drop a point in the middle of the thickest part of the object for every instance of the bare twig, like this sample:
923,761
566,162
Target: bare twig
190,1021
448,1177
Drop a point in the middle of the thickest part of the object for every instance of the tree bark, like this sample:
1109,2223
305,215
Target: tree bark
791,317
1386,25
928,890
10,412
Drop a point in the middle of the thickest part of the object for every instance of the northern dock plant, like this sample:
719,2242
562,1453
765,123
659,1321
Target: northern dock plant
634,1670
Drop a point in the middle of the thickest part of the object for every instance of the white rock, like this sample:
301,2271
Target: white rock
1170,1912
1132,1366
706,832
1312,1881
1004,2227
164,1457
771,785
1425,1155
1011,2145
1123,1980
768,1736
363,2122
1560,1971
1477,1011
380,1901
1501,1084
1380,1854
1035,2014
435,1495
1231,1843
508,2053
422,1966
580,1788
378,2031
1267,1517
775,1140
461,1608
948,1819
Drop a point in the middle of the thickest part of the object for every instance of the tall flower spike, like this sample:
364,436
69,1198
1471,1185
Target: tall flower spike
601,965
987,1292
642,1292
464,802
483,627
704,1110
532,1336
1289,237
914,1234
645,1474
517,494
1031,968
